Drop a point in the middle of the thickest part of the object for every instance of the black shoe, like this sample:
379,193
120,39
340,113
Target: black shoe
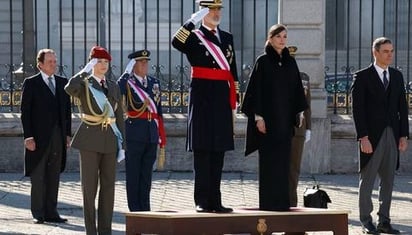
222,209
56,220
201,209
369,228
38,220
387,228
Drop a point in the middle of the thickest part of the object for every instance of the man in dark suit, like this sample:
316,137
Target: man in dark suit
46,119
144,128
380,114
213,96
99,138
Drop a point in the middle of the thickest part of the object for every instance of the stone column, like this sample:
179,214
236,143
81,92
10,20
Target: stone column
306,30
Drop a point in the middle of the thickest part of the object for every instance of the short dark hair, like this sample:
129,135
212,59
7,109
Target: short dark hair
376,45
41,54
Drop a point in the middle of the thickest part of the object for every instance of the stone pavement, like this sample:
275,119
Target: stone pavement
173,191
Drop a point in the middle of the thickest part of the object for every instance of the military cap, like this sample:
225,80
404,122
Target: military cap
99,53
140,55
210,3
292,50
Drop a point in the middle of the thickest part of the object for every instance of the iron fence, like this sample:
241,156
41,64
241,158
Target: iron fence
351,26
72,27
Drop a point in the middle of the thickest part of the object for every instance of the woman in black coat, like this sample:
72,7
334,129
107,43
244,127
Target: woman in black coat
274,102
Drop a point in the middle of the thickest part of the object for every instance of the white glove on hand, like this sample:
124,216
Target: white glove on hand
307,135
89,66
129,67
198,16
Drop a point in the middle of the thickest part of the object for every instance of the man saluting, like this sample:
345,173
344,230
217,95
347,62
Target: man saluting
212,98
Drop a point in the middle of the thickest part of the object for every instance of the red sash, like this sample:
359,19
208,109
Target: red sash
217,74
149,115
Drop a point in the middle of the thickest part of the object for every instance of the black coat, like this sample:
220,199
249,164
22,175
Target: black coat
274,92
210,119
38,116
374,109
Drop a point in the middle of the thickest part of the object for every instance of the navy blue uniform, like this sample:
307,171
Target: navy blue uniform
210,120
142,138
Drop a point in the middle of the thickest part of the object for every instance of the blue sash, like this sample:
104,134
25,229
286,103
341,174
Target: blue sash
101,101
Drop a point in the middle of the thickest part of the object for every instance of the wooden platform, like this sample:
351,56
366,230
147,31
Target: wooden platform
250,221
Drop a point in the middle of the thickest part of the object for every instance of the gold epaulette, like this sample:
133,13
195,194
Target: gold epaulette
182,34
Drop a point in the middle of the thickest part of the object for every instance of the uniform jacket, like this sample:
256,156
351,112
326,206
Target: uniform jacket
38,117
94,137
210,121
141,130
274,92
307,114
374,109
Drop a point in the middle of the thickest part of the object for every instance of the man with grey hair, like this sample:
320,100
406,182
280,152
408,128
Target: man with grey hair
212,98
380,114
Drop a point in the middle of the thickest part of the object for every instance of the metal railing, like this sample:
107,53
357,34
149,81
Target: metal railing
351,26
72,27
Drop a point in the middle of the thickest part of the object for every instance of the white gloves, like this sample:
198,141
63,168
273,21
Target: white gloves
307,135
89,66
198,16
129,67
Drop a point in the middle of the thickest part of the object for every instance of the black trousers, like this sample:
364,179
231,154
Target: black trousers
208,167
45,179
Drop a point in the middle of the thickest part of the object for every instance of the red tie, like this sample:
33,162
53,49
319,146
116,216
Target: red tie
213,31
103,86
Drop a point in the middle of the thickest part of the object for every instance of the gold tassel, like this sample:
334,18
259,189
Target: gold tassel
161,158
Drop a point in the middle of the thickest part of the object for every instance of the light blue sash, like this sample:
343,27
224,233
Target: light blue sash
101,100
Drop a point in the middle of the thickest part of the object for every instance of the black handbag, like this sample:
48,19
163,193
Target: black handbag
315,197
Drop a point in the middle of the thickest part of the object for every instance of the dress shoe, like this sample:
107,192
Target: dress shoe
369,228
56,220
201,209
387,228
38,220
222,209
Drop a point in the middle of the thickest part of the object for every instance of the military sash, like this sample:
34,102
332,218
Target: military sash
102,101
152,109
221,60
214,50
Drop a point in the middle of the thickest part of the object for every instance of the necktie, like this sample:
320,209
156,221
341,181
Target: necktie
385,80
102,83
213,31
51,86
144,82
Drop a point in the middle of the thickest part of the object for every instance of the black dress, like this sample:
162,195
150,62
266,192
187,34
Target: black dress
275,93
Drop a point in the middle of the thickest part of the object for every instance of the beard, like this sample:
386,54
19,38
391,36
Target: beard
215,21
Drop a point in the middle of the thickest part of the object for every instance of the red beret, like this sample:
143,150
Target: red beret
99,53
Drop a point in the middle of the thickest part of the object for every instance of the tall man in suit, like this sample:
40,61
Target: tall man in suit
144,128
46,119
212,98
99,138
380,113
